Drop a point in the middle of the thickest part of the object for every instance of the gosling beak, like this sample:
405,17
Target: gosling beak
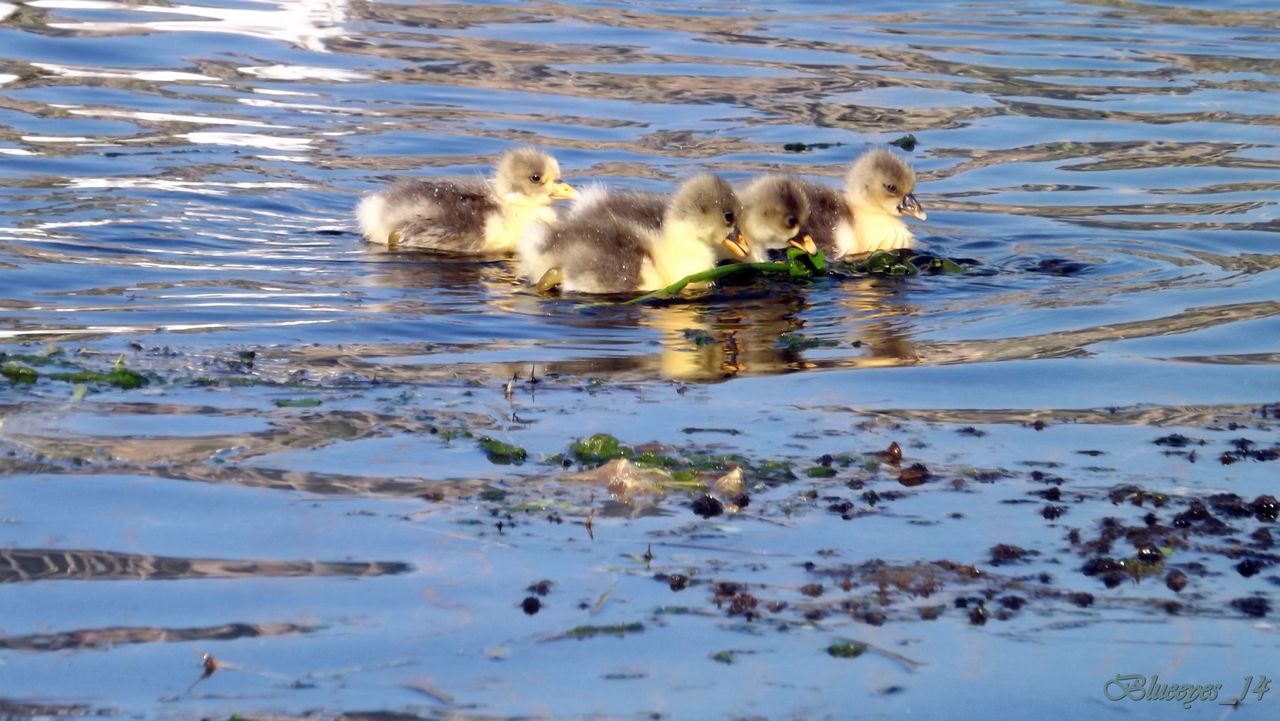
736,242
910,206
803,241
561,190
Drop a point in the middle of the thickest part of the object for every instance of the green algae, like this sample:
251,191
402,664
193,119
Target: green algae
297,402
599,448
18,373
846,649
502,454
618,629
797,341
907,142
119,376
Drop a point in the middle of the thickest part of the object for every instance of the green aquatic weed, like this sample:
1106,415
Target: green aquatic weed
599,448
18,373
502,454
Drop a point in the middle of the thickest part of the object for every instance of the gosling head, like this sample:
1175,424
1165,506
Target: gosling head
776,214
706,207
530,177
881,182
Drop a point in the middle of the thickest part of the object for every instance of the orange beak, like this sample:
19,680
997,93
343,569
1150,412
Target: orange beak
736,242
803,241
561,190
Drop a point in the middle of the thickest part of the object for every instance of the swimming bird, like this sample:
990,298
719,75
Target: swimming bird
775,214
879,191
467,216
612,246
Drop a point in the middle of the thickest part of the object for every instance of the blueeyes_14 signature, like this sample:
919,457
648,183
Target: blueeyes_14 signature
1137,687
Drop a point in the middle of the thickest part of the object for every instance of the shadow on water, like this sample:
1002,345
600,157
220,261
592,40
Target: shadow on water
775,498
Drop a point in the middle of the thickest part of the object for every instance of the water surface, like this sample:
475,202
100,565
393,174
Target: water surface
299,491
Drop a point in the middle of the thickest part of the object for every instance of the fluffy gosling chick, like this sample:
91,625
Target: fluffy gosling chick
879,191
603,251
467,216
775,215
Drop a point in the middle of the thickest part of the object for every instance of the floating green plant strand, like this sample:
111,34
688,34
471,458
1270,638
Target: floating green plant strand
119,376
800,264
297,402
18,373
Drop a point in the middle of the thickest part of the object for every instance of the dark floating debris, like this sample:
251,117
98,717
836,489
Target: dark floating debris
1051,513
1150,554
906,142
676,581
707,506
1262,538
1013,603
1082,599
726,431
806,147
1250,567
1177,440
979,614
916,475
1059,266
739,601
1245,450
1255,606
1003,553
1265,508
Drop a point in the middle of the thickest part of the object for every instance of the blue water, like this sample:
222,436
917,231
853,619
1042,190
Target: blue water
177,185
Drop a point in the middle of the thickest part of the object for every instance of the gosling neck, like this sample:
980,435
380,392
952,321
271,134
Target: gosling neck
679,252
876,229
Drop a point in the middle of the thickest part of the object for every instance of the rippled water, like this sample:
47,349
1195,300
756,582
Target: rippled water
178,182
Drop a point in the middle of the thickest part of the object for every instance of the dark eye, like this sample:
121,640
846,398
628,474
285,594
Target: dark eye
536,177
728,217
790,221
891,187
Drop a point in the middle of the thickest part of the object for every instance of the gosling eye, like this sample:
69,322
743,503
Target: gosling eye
728,217
891,187
536,177
790,221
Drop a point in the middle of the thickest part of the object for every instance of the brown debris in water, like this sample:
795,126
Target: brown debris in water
891,455
916,475
624,479
209,665
1003,553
